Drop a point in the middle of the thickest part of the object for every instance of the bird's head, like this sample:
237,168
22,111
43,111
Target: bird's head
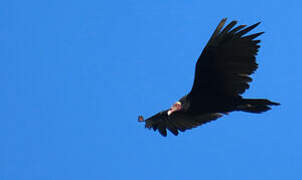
176,107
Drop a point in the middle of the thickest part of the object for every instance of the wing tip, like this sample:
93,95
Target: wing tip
224,19
258,23
247,29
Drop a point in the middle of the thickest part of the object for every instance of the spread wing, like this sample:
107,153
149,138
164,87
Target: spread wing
177,121
226,62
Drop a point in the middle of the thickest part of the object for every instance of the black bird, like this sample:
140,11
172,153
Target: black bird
221,76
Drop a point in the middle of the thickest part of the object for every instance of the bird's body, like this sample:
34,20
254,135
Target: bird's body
221,76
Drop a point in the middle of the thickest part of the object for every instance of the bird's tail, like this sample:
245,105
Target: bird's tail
256,105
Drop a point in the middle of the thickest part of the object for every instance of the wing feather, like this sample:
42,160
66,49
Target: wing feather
178,121
225,64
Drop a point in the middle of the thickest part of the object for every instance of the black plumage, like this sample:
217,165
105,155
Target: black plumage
222,74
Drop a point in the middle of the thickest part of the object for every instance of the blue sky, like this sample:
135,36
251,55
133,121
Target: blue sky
75,75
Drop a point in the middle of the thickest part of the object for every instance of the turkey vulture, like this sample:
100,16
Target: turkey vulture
222,74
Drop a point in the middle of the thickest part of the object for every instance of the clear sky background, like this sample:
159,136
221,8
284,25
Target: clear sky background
76,74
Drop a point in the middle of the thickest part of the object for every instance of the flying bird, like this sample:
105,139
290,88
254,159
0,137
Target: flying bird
222,74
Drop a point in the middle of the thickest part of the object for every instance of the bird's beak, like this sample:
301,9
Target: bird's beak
174,108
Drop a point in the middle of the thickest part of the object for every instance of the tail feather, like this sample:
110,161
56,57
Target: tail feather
256,105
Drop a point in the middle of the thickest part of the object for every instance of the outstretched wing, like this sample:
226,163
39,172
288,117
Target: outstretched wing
177,121
226,62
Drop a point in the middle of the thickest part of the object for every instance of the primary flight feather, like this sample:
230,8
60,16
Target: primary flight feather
222,74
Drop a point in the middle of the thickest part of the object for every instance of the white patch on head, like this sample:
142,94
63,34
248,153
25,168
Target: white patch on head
176,107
